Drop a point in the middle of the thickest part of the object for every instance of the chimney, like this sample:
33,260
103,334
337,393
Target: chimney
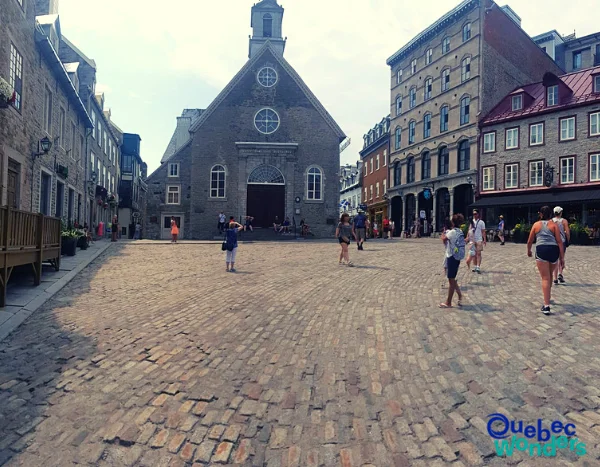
46,7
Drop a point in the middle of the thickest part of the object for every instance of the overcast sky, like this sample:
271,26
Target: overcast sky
154,62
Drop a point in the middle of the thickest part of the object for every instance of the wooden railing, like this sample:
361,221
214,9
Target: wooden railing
27,238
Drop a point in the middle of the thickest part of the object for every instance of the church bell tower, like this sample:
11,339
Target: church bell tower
267,17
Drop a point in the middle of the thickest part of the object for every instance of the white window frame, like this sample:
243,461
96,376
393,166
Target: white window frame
539,135
412,97
73,138
384,186
377,189
62,123
311,195
465,74
171,166
514,139
377,162
597,83
366,194
445,50
489,178
371,164
595,122
514,176
176,192
367,168
413,66
371,191
385,157
212,193
15,75
412,131
517,102
567,180
489,142
428,56
398,104
595,174
399,76
466,31
536,167
565,128
94,123
428,89
48,110
551,96
445,84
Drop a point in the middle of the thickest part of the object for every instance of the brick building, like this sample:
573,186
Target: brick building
457,69
350,188
541,145
47,106
374,157
265,147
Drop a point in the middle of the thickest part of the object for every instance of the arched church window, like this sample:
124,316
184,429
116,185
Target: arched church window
217,182
314,185
266,121
267,77
266,175
267,25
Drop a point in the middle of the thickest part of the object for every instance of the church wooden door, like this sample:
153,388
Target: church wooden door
264,203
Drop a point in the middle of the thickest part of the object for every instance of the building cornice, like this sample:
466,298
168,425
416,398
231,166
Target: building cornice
385,138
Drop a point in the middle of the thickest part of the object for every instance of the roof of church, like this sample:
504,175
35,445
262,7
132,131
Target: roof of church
181,135
293,74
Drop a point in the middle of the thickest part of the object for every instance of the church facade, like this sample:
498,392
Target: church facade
265,147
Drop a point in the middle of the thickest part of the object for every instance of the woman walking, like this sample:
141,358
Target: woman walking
549,251
454,240
565,236
231,243
174,230
344,234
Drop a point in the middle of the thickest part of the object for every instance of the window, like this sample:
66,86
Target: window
81,150
577,60
377,190
567,170
99,133
443,160
315,184
536,173
464,156
105,140
398,138
446,45
62,128
399,76
384,157
511,176
465,69
366,197
413,66
597,82
466,33
595,124
217,182
397,174
445,79
428,56
427,89
594,167
398,105
489,142
464,110
266,121
552,95
173,194
425,166
412,97
48,111
15,77
444,119
174,169
377,163
489,178
267,25
536,134
73,139
371,191
427,126
410,175
567,128
267,77
371,163
512,138
94,123
45,190
517,102
366,168
411,132
384,186
60,199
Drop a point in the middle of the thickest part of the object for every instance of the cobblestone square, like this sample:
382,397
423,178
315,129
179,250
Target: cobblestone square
155,356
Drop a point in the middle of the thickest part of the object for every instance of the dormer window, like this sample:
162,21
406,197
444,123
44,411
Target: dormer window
517,102
596,83
267,25
552,95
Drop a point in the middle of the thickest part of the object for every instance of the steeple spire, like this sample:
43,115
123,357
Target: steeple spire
267,17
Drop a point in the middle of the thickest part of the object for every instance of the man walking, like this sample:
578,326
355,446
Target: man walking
479,237
221,222
565,236
359,228
501,230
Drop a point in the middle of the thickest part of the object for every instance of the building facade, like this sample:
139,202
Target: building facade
571,53
350,188
442,81
541,145
375,174
47,108
265,147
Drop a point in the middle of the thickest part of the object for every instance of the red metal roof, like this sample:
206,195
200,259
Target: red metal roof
580,83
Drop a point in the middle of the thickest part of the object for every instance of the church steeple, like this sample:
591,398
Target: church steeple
267,17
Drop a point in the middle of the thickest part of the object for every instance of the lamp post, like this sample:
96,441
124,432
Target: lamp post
44,146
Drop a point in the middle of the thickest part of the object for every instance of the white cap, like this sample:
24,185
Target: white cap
558,209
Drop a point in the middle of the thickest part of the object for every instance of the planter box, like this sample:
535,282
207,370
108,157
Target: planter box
82,243
69,246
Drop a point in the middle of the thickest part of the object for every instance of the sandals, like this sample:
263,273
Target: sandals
444,305
459,302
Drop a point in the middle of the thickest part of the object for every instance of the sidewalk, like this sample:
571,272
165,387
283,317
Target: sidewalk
23,298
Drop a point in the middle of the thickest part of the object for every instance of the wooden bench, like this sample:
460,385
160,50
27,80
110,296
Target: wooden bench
27,238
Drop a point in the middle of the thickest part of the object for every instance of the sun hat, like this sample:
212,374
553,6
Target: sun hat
558,209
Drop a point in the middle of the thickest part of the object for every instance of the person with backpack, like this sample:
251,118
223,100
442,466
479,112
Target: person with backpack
454,240
359,229
565,236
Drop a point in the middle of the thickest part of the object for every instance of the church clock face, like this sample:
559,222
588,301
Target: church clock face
267,77
266,121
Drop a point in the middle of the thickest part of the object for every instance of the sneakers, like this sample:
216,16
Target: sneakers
561,279
546,310
477,270
555,282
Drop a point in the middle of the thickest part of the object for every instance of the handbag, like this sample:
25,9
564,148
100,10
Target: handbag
224,244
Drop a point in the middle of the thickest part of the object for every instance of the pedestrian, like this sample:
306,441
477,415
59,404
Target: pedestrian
375,230
417,227
478,227
446,226
114,229
501,230
344,233
221,222
174,230
565,236
549,251
248,225
359,229
392,228
472,250
386,228
138,231
231,244
454,240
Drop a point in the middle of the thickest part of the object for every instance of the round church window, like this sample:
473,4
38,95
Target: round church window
266,121
267,77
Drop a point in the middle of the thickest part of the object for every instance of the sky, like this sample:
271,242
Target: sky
154,62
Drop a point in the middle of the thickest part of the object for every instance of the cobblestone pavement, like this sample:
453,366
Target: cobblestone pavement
154,356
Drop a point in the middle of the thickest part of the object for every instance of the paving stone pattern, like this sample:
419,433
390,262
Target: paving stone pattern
155,356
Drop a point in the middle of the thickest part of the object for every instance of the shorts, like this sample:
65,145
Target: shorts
360,233
547,253
452,267
479,246
341,240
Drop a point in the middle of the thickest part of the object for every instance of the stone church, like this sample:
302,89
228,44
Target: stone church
265,147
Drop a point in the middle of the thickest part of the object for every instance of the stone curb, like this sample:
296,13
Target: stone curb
17,319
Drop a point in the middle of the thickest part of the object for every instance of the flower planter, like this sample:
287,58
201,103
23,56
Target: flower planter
82,243
69,246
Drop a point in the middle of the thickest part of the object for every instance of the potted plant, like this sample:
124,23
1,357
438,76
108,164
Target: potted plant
7,94
69,239
82,241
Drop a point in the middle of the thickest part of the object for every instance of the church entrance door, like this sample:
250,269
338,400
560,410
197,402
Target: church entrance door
266,196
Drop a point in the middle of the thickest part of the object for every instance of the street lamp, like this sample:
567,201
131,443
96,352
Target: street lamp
45,145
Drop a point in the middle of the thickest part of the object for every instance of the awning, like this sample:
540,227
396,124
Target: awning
542,198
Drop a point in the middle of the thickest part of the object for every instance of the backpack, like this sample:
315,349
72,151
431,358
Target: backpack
459,246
